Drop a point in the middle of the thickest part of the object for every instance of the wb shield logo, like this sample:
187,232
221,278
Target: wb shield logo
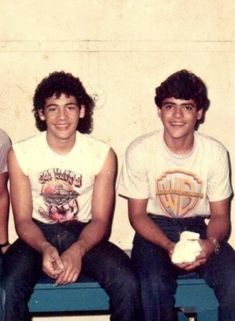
178,192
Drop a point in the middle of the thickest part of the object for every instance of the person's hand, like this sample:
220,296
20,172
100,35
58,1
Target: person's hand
187,266
51,263
207,248
72,262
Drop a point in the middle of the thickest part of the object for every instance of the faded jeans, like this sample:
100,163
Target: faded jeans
157,275
106,263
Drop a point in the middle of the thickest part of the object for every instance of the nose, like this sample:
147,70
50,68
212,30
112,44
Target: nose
62,113
178,112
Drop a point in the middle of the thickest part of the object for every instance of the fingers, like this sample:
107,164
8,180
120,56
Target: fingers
192,266
186,266
50,272
52,264
67,277
189,266
57,264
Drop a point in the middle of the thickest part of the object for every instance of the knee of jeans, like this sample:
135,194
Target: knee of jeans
127,285
129,281
132,285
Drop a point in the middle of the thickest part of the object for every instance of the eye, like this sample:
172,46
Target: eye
168,106
188,107
71,107
51,109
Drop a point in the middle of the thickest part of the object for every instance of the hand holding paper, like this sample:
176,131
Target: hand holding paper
187,248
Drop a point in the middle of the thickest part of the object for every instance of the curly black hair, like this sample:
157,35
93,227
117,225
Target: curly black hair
183,85
57,83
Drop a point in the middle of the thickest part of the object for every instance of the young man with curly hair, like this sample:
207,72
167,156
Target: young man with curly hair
174,179
62,190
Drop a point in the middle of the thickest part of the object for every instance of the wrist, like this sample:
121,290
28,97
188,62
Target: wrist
44,246
169,246
80,247
215,243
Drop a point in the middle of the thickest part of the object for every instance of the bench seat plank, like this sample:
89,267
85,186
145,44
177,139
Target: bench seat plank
192,296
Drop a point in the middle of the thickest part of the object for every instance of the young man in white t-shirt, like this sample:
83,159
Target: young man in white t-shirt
174,179
62,190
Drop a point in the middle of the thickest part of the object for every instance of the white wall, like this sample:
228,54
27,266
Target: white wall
121,50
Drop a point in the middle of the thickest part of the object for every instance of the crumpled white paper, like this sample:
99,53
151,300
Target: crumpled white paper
187,248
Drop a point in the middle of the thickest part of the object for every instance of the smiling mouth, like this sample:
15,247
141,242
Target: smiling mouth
62,126
177,124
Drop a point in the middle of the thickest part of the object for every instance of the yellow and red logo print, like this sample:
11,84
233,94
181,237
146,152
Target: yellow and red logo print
178,192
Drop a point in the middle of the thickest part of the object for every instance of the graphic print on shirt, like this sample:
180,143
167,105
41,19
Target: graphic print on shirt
178,192
59,194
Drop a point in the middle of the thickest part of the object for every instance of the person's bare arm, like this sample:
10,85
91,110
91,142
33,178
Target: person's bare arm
4,211
145,227
218,227
21,198
99,227
219,224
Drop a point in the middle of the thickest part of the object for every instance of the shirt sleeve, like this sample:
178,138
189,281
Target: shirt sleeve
100,156
5,145
219,185
133,181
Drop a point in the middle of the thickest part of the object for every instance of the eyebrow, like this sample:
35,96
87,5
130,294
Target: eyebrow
182,104
55,105
191,104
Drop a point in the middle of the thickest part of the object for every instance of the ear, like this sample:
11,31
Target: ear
159,112
82,111
41,114
200,114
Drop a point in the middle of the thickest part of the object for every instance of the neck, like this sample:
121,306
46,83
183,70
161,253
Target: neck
61,146
179,145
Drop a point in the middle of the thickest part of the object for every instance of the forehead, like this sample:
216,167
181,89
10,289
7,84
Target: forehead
61,98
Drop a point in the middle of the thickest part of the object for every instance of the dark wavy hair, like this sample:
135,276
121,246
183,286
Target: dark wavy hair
183,85
57,83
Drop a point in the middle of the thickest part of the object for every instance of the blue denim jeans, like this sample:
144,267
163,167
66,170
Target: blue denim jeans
106,263
157,275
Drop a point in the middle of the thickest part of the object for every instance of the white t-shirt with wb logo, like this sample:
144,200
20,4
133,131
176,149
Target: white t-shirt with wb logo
176,185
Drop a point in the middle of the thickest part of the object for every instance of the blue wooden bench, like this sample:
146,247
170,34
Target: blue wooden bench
193,297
